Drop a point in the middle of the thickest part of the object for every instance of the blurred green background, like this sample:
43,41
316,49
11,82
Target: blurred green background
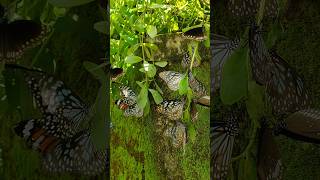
296,41
74,38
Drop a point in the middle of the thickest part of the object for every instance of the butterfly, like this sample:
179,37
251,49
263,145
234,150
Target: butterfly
259,55
186,61
116,73
63,149
172,109
172,79
269,165
52,95
285,88
221,49
302,125
128,102
222,136
251,7
177,133
18,36
195,33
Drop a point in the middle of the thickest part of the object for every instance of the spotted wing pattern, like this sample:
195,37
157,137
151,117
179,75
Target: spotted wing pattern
173,109
221,49
128,102
177,133
250,8
172,79
222,136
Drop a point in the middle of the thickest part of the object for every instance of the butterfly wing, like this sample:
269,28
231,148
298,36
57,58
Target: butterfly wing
302,125
172,109
77,154
133,110
197,87
285,88
259,56
129,96
18,36
251,7
269,166
195,33
221,49
222,141
171,78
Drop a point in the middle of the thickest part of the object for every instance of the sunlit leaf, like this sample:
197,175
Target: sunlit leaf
152,31
158,88
161,63
235,77
150,69
156,96
143,96
69,3
132,59
183,85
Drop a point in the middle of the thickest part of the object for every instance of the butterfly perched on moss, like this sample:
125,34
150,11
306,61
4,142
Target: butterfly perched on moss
128,102
172,109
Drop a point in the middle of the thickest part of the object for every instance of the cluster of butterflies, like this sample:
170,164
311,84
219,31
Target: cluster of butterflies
285,92
57,135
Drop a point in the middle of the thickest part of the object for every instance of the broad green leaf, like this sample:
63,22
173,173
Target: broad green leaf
101,26
100,119
183,85
156,96
142,70
235,77
133,49
150,69
132,59
96,71
161,63
143,96
151,46
152,31
140,83
69,3
59,12
158,88
255,103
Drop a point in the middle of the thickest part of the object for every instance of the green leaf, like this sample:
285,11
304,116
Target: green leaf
59,12
152,31
156,96
132,59
140,83
255,103
183,85
101,26
100,119
150,69
235,77
143,96
161,63
96,71
158,88
69,3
